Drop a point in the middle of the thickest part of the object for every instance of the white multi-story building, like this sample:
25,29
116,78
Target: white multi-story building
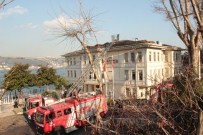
131,67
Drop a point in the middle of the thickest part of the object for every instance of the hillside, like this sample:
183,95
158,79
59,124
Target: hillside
10,61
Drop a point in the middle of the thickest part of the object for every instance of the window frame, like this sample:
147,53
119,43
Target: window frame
71,62
133,75
68,73
59,113
140,72
132,55
75,73
74,61
150,56
67,111
71,73
126,57
139,56
126,72
154,56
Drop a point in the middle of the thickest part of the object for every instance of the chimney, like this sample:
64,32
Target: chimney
158,42
115,37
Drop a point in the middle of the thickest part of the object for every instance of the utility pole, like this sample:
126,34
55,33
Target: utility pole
112,62
0,106
199,65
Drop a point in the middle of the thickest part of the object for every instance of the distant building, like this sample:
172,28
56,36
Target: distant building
131,67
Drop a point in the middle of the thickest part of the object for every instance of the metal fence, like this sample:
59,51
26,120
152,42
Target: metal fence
8,99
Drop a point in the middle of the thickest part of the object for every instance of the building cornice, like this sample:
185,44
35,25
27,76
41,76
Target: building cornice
126,45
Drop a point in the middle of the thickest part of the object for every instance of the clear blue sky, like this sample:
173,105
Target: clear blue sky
23,25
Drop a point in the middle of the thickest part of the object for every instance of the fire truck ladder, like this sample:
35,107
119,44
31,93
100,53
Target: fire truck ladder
82,78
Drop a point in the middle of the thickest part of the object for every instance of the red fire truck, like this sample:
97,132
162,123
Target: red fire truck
74,112
77,109
33,102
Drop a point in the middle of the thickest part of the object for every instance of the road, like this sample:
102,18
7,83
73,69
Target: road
18,125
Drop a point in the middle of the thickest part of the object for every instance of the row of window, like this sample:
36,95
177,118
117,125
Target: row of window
52,115
133,75
72,61
72,73
176,57
158,73
132,57
132,92
154,55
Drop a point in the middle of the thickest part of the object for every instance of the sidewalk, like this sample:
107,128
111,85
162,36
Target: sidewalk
9,110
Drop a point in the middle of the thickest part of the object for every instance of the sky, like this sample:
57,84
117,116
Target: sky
26,26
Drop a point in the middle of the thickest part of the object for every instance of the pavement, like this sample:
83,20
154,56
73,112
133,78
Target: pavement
9,110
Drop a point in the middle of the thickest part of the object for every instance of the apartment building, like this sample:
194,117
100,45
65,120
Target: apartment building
129,68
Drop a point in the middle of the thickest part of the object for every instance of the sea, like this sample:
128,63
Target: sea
33,90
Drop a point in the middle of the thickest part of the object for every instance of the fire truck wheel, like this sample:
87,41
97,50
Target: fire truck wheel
59,131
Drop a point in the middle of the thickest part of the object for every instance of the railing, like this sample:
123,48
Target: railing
7,99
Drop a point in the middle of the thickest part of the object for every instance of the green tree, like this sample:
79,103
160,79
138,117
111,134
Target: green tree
18,78
60,82
45,76
3,3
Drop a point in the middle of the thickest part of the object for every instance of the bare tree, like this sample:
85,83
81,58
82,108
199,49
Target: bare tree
81,29
187,18
172,114
3,3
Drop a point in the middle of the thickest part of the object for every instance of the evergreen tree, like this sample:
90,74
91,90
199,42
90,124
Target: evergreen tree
18,78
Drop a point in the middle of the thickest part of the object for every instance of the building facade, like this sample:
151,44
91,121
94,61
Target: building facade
129,68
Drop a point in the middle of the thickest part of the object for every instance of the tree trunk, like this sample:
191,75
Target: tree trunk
1,96
194,59
93,67
200,126
19,93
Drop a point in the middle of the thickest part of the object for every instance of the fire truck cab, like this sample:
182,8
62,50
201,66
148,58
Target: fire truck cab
33,102
67,116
